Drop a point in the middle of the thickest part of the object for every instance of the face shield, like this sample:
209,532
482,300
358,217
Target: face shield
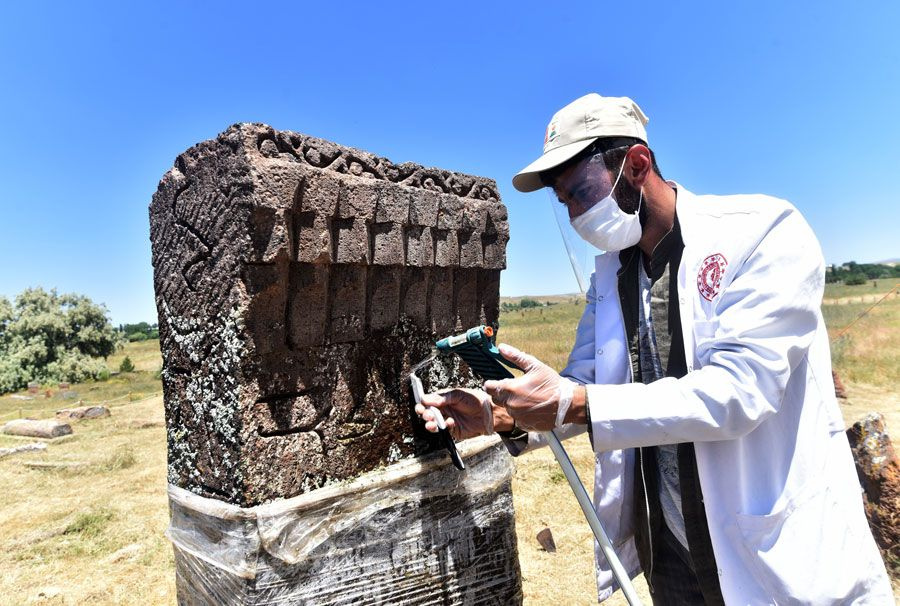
581,254
575,191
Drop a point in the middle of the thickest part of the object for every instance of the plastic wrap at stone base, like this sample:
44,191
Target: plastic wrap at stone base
418,532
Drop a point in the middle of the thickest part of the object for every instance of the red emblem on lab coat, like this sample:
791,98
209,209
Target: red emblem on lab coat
709,278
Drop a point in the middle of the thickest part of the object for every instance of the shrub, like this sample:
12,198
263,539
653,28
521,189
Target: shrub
122,458
557,476
127,365
89,523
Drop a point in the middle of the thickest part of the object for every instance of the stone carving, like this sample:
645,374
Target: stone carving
296,283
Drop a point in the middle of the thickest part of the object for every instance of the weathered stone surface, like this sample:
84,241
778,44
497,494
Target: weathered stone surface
446,247
297,281
32,447
37,429
879,473
387,244
82,412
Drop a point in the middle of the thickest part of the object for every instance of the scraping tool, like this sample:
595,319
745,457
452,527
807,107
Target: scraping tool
443,430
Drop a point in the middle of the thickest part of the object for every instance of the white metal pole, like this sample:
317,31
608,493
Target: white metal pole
587,506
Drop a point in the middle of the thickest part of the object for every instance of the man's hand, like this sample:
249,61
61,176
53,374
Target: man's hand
467,412
540,399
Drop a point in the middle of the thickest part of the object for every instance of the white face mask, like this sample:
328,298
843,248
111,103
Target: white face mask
607,226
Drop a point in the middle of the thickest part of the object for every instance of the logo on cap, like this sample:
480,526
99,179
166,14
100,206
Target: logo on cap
709,278
551,133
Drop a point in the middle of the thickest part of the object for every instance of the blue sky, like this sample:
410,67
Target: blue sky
797,100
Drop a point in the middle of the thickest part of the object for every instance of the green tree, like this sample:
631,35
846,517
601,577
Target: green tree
140,331
48,337
130,328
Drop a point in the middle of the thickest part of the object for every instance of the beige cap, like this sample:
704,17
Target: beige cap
576,126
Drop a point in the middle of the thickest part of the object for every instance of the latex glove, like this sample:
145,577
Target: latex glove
467,412
537,400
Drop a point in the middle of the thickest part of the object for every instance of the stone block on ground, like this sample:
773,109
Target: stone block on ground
48,428
840,391
879,474
545,539
82,412
32,447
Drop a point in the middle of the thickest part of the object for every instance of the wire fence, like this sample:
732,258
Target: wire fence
845,329
23,411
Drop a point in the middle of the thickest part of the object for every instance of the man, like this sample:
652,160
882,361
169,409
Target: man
723,471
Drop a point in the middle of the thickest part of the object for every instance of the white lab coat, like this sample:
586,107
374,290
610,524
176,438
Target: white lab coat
782,498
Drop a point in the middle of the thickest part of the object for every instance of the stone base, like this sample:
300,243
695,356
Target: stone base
418,532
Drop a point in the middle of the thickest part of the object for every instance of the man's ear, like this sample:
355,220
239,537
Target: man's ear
638,165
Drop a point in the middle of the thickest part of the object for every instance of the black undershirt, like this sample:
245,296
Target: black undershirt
666,254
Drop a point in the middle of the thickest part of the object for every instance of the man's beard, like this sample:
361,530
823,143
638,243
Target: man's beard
627,196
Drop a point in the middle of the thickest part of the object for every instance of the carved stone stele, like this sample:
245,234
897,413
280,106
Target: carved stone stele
296,283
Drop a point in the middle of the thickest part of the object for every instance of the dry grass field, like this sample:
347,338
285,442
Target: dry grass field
87,526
